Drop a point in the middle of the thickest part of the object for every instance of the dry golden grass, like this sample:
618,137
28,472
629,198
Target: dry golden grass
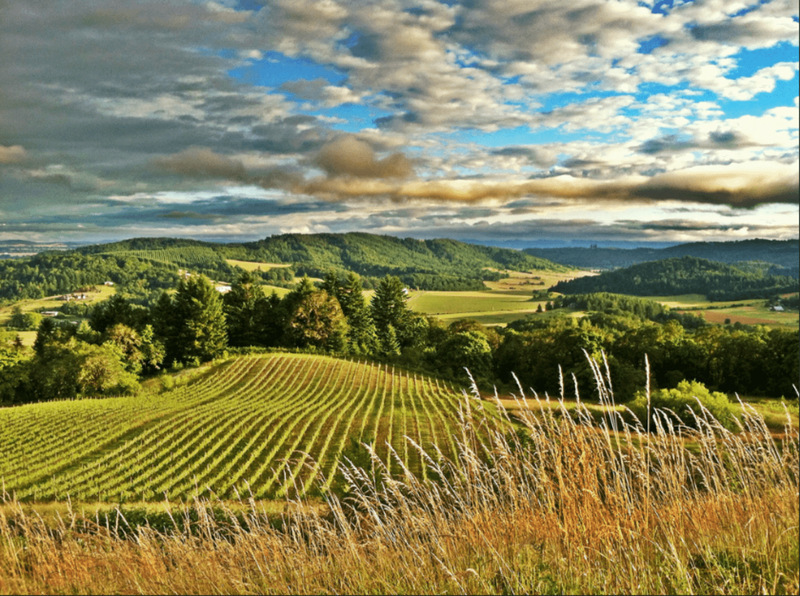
551,508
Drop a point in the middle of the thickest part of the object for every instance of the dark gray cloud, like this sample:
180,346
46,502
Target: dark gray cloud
727,139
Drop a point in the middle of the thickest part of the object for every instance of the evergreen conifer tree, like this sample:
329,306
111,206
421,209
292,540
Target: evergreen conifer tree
242,306
201,333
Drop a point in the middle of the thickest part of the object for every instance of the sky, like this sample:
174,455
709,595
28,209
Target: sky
514,122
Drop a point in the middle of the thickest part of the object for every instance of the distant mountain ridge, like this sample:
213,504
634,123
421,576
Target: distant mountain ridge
781,253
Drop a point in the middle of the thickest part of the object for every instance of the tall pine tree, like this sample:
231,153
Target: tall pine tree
201,333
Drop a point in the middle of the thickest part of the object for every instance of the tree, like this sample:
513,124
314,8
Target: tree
362,336
388,344
200,329
165,327
117,310
389,303
465,349
46,334
142,353
101,371
243,306
679,401
23,320
318,321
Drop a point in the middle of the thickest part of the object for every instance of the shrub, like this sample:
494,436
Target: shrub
682,402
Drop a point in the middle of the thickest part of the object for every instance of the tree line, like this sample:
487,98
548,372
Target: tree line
684,275
195,323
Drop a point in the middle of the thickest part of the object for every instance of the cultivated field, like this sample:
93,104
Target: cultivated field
747,312
568,504
270,425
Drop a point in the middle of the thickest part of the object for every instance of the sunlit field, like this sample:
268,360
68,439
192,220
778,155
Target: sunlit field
94,295
571,502
747,312
252,424
504,301
255,265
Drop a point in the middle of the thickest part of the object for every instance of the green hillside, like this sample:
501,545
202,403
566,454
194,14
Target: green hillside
684,275
428,264
246,425
145,265
370,254
778,255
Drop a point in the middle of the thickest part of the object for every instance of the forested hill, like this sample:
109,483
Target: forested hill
683,275
429,264
782,254
141,266
369,254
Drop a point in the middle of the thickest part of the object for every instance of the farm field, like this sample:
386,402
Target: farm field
747,312
27,338
253,424
255,265
98,294
506,300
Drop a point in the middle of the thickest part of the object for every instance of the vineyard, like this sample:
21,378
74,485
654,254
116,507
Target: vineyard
269,425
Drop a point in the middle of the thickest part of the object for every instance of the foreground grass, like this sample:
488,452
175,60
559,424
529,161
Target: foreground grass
559,507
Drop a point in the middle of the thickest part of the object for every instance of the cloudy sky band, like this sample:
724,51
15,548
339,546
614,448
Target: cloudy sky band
247,118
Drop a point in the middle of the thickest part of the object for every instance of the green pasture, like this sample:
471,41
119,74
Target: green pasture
98,294
281,292
747,312
503,301
449,303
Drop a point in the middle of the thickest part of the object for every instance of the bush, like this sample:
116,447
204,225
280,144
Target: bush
679,401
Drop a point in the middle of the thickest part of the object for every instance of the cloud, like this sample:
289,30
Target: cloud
12,155
349,156
201,162
736,185
439,106
321,91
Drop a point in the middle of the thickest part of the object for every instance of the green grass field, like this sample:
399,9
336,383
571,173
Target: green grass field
98,294
270,424
503,301
747,312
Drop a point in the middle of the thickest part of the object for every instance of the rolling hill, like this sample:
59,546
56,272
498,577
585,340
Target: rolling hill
427,264
682,275
253,423
146,265
781,254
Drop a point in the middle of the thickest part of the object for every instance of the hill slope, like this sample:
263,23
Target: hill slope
420,263
684,275
782,254
143,265
242,426
370,254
